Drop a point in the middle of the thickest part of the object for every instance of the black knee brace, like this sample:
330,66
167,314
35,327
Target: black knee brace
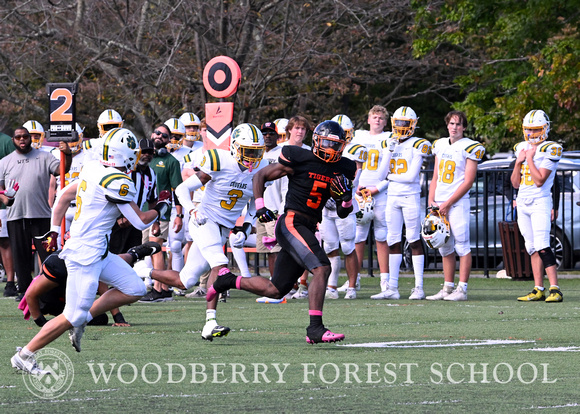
547,256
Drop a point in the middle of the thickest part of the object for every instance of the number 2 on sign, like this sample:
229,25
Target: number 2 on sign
59,114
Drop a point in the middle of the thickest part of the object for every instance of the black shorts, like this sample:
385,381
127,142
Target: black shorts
300,251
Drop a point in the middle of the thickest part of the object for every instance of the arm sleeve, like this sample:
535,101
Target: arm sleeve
184,190
133,217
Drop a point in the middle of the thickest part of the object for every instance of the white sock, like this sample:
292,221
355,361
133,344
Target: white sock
541,289
335,263
210,314
449,284
384,281
242,261
25,353
463,285
418,265
394,267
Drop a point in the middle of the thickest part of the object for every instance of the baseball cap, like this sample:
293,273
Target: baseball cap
268,125
146,144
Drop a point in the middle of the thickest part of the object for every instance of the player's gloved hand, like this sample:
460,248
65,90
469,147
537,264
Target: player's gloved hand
11,189
197,218
269,242
163,203
265,215
238,239
49,241
341,188
392,143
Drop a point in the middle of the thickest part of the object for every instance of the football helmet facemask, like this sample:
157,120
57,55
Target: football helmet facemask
435,229
76,146
328,141
366,204
346,124
36,132
177,130
247,145
109,119
191,123
536,126
120,149
403,122
281,124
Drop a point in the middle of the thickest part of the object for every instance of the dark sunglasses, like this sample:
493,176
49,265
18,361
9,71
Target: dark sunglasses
163,134
147,152
269,133
25,136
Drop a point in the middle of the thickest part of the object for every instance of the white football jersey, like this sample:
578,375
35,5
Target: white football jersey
192,160
547,156
75,168
374,170
180,155
273,191
452,159
229,190
99,190
405,166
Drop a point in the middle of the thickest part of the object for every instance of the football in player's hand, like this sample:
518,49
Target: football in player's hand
340,187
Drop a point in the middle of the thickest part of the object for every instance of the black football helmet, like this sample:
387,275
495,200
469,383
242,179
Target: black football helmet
328,141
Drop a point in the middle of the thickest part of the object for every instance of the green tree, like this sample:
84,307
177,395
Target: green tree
512,56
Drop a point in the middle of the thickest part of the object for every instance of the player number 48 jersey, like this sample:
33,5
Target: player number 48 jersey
452,159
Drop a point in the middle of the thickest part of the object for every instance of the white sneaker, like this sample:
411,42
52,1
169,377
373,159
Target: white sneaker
457,295
301,293
442,294
350,293
75,334
346,284
387,294
199,292
417,294
28,365
290,294
212,330
331,293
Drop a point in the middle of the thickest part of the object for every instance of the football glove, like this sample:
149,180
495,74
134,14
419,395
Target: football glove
197,218
341,188
265,215
238,239
49,241
163,203
11,189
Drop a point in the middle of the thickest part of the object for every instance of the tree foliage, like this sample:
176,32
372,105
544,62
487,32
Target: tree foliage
518,56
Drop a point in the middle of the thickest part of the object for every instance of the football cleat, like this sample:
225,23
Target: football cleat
264,299
324,336
459,294
301,293
417,294
75,334
199,292
555,295
346,284
350,293
387,294
442,294
534,296
27,365
213,330
142,251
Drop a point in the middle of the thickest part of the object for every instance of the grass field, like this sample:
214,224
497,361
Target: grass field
490,354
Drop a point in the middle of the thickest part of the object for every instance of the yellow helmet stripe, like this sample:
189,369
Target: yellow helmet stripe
106,143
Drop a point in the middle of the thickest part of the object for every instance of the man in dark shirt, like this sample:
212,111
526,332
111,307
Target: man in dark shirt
313,177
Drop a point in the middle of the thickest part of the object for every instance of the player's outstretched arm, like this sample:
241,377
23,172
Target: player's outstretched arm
270,173
139,219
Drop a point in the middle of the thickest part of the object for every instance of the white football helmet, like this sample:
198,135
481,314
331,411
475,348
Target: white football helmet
109,119
346,124
366,204
281,124
403,122
191,122
536,126
435,229
177,130
247,145
120,149
76,146
36,132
